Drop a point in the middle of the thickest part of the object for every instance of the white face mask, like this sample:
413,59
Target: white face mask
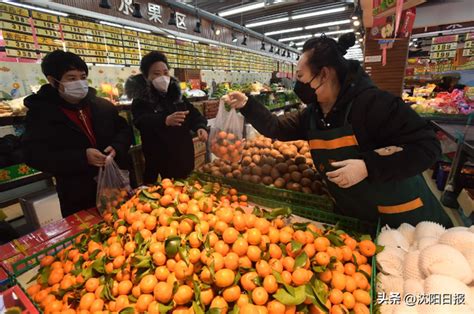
161,83
76,90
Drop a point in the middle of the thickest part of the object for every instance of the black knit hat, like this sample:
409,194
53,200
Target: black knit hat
149,59
58,62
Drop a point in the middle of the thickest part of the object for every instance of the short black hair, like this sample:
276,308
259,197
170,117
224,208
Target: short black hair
58,62
149,59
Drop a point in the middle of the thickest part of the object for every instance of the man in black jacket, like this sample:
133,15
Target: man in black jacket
70,131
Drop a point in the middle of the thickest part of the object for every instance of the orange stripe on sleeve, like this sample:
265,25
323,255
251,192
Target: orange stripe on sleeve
396,209
345,141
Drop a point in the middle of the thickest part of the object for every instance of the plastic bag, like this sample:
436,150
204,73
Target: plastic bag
113,186
226,138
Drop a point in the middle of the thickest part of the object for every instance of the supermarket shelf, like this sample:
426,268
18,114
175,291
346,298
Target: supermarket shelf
21,181
445,118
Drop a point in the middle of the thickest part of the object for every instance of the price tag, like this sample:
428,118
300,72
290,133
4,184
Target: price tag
7,35
15,27
45,17
13,10
115,42
47,25
468,44
443,55
127,32
14,18
20,53
46,48
47,32
73,22
468,52
19,45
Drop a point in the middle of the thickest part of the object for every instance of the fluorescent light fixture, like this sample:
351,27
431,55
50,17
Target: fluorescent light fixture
356,23
137,29
111,24
284,31
31,7
445,32
317,13
295,37
241,9
355,17
300,48
328,24
361,39
186,39
109,65
171,36
342,31
301,43
278,20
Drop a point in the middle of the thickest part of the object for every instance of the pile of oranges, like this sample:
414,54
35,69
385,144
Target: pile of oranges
227,146
190,247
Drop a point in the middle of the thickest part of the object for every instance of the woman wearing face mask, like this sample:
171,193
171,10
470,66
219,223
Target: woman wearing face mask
70,131
165,119
368,145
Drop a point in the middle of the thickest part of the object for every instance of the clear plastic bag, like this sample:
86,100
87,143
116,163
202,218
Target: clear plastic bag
226,139
113,186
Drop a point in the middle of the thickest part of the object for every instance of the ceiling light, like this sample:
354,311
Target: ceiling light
355,17
234,38
137,29
136,10
328,24
301,43
284,31
218,31
300,48
342,31
263,46
361,40
241,9
110,24
244,41
278,20
197,28
172,20
356,23
295,37
171,36
317,13
31,7
358,33
104,4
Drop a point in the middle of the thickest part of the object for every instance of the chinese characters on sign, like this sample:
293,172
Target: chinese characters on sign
126,6
154,13
420,299
180,20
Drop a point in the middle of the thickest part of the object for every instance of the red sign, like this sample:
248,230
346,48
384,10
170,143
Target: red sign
445,39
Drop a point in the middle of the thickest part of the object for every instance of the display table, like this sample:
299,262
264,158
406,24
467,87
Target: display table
464,136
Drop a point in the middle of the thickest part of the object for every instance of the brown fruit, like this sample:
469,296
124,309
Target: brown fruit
316,187
300,160
292,168
302,167
246,177
237,174
217,174
295,187
257,171
304,150
267,180
274,153
306,182
226,169
306,190
308,173
279,183
282,167
287,177
246,170
255,179
275,174
271,161
280,158
266,169
246,161
229,175
257,159
235,166
290,162
296,176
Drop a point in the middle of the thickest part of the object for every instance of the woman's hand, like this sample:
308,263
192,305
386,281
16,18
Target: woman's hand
236,100
177,118
202,135
95,157
351,172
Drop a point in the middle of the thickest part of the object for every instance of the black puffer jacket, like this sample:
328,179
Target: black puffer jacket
379,119
168,151
54,144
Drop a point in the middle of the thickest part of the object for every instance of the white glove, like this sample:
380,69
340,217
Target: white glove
236,100
352,171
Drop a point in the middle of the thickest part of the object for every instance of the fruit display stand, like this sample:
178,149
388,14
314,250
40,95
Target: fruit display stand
320,202
27,268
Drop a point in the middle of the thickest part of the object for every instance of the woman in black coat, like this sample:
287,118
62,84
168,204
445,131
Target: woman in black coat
369,146
165,119
70,131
